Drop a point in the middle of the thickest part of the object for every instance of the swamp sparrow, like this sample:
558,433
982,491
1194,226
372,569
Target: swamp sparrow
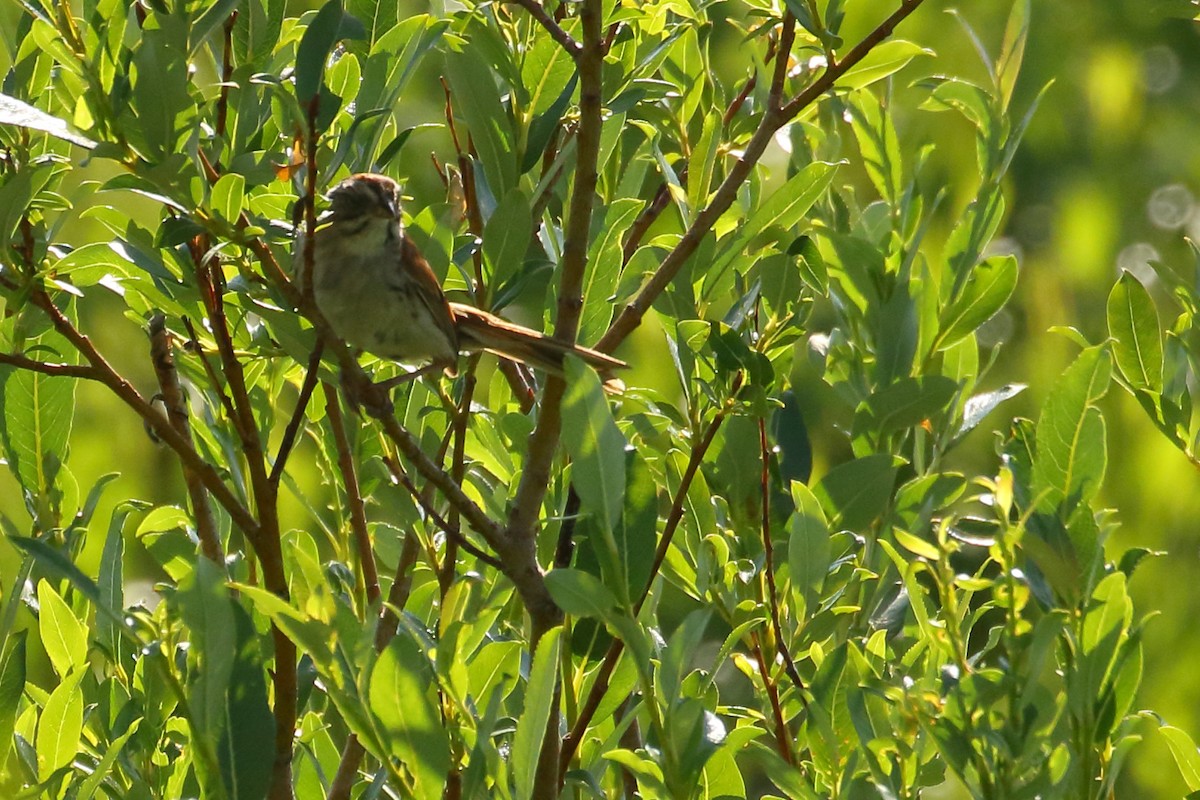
379,294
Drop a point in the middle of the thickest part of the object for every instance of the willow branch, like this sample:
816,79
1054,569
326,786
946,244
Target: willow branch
535,477
293,427
82,371
176,403
555,30
354,500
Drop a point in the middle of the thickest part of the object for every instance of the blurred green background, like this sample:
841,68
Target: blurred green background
1107,178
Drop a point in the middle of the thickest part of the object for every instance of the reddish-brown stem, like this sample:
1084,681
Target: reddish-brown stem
176,404
213,378
458,468
293,427
782,737
82,371
226,74
789,665
354,500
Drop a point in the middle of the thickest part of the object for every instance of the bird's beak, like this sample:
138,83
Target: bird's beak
393,212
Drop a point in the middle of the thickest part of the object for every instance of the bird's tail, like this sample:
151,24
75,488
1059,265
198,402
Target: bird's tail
479,330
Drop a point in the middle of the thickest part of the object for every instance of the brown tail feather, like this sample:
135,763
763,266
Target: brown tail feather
479,330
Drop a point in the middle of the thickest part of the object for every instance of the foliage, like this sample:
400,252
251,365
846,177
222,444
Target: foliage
493,595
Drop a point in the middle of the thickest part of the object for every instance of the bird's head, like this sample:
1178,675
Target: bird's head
364,196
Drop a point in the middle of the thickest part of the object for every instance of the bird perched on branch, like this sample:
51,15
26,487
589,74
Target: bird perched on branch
379,294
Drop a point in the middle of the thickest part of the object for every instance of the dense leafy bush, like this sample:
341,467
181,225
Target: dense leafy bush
672,590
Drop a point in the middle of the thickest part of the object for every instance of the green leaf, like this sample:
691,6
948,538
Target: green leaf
546,71
883,60
314,49
982,404
16,195
1012,51
853,494
784,209
12,685
17,112
604,268
809,550
879,145
478,100
104,766
60,725
1071,446
987,289
531,727
229,195
36,412
1187,757
506,236
595,444
63,635
111,582
623,555
400,695
161,90
1137,345
579,593
906,403
247,746
205,607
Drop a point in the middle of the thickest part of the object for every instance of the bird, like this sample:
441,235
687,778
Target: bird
378,293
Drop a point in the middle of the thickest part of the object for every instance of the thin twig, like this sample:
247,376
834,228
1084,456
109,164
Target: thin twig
353,752
399,474
293,427
54,370
358,512
789,665
176,403
213,378
556,31
782,737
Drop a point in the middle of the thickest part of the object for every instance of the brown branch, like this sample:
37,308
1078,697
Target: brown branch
437,518
574,738
176,403
226,74
462,418
783,54
293,427
81,371
774,117
789,664
535,477
782,737
556,31
213,378
358,512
